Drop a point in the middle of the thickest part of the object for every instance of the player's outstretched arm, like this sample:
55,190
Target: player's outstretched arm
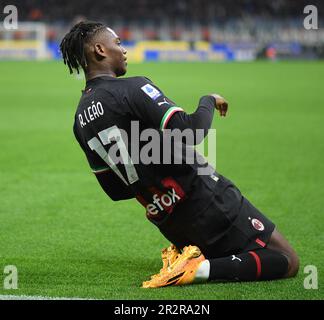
149,104
202,118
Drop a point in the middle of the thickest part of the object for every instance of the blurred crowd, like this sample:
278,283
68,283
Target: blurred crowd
189,20
156,11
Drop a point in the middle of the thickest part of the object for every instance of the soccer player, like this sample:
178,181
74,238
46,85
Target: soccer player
216,233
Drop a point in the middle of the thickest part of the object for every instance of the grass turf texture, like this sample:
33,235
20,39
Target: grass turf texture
68,239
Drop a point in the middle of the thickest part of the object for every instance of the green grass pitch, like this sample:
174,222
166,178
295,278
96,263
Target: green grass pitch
67,239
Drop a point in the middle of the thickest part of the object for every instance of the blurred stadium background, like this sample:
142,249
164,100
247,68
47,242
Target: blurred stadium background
58,227
182,30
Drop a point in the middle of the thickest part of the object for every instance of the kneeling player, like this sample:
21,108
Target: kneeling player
216,233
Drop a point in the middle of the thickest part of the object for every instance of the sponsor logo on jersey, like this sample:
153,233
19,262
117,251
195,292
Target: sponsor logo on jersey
257,224
152,92
163,202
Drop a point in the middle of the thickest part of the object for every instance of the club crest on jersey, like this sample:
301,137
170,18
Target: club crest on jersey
152,92
257,224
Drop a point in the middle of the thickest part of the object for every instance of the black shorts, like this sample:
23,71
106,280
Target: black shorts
229,225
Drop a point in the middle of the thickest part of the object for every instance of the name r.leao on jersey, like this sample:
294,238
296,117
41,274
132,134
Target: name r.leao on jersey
91,113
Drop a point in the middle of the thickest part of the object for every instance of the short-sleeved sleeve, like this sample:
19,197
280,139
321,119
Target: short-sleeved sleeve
150,105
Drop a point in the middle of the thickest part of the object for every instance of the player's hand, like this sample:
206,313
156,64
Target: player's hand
221,104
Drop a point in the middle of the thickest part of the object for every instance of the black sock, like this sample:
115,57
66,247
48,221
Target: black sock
261,264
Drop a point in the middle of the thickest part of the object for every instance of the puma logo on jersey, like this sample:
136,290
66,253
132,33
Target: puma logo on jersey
163,102
161,203
236,258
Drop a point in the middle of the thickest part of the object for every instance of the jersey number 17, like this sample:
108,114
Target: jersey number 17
107,136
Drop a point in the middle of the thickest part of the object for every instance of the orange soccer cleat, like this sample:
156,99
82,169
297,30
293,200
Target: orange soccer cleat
181,271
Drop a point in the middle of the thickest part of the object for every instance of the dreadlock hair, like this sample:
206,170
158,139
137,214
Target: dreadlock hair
72,45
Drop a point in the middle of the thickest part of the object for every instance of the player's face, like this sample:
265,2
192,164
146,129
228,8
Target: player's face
116,53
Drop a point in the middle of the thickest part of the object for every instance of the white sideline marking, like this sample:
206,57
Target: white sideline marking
23,297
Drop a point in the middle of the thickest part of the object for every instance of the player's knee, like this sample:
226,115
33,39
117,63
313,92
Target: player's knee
280,244
293,264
